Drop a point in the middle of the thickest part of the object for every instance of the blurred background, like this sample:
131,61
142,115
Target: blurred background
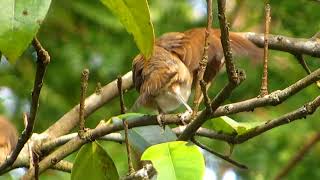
84,34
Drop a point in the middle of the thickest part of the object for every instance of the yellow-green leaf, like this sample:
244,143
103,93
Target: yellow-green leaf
135,16
19,23
225,124
176,160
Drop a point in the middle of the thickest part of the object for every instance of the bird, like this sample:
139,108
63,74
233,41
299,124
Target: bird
8,137
165,80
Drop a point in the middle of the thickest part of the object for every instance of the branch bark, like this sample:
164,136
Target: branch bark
71,119
43,59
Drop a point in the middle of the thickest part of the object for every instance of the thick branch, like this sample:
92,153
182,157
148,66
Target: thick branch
286,44
302,112
50,145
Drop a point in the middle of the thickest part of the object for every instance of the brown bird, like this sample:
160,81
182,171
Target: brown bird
8,138
165,80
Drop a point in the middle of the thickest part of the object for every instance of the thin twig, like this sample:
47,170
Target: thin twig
35,159
43,59
264,80
125,125
83,92
204,61
303,63
225,41
122,105
130,164
207,100
226,158
299,156
70,119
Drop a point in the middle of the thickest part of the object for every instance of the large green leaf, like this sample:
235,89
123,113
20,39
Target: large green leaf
93,162
176,160
135,16
19,22
226,125
143,137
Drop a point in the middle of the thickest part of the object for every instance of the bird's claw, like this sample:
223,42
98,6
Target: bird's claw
184,117
159,116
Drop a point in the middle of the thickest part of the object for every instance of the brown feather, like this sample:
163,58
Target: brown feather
175,61
8,137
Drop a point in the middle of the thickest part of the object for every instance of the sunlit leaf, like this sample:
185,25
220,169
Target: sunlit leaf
20,21
93,162
176,160
135,17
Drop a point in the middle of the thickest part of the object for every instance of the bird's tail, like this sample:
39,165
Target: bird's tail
240,45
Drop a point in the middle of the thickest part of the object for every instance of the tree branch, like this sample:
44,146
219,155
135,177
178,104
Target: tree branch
286,44
276,42
225,41
83,92
71,119
43,59
191,129
264,81
226,158
204,61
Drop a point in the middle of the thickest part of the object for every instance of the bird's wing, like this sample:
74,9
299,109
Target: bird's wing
151,76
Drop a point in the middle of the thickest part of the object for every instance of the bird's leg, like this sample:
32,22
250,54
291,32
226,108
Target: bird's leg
159,116
187,114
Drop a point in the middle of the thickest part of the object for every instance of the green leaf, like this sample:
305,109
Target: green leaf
20,21
143,137
93,162
226,125
135,17
176,160
127,116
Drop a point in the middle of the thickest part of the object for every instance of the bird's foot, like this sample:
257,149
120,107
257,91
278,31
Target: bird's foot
160,122
185,117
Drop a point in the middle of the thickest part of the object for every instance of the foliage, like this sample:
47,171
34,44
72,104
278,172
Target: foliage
20,21
135,16
93,162
176,160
